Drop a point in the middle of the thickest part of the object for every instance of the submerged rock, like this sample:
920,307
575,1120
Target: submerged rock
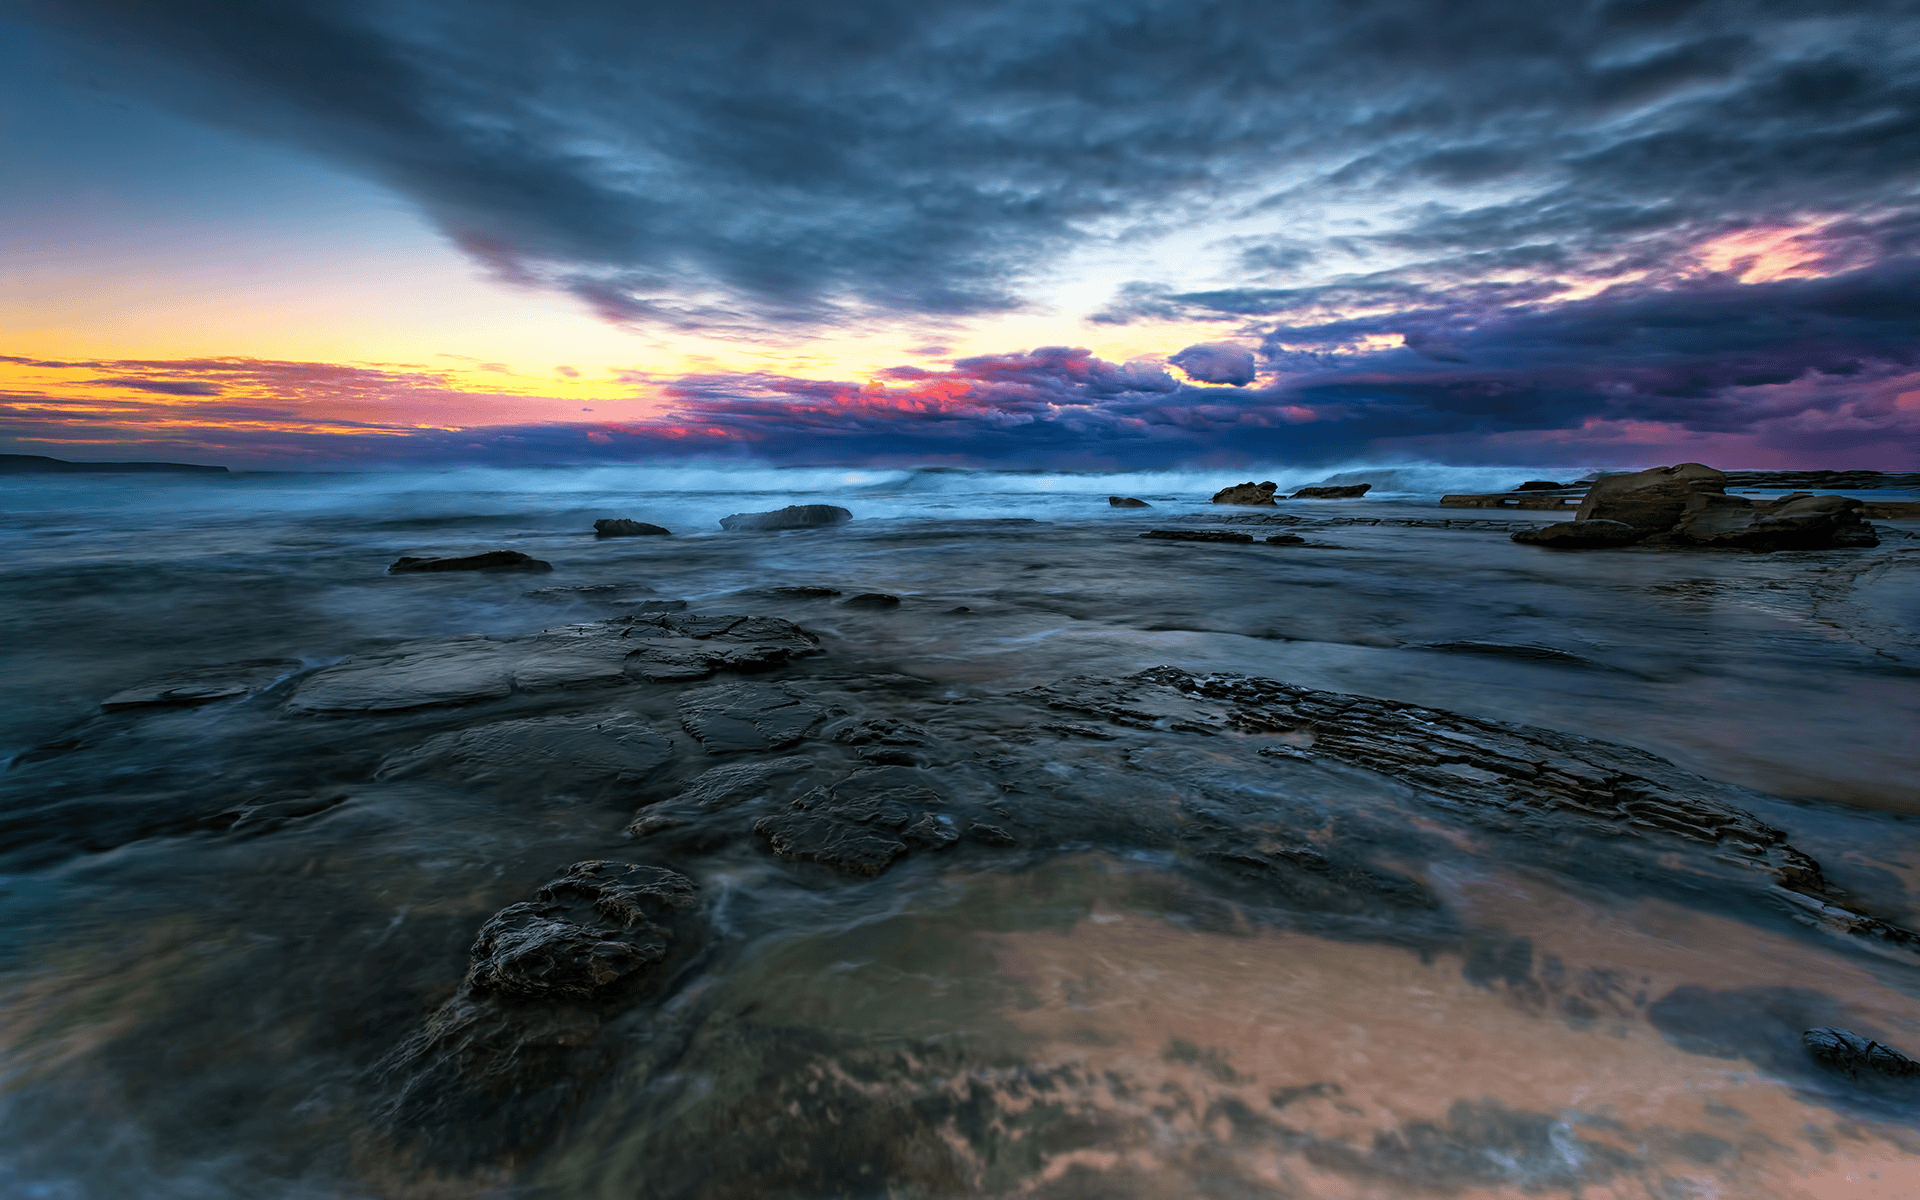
202,685
861,824
1197,535
871,600
612,747
657,647
794,516
1650,500
1126,502
1247,493
1581,535
492,560
1345,492
612,527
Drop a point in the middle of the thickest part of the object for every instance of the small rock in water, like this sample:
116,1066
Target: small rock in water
1247,493
1286,539
622,527
492,560
794,516
871,600
801,592
1847,1051
1197,535
1347,492
1543,485
1127,502
1581,535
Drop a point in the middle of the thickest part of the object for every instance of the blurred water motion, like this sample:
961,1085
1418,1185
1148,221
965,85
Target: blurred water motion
193,1008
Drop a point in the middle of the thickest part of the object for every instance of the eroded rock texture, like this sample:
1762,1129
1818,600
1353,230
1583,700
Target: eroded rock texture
494,1069
655,647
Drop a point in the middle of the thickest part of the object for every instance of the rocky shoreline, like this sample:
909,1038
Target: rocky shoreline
518,899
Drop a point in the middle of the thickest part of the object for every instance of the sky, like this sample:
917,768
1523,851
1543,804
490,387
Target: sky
1078,234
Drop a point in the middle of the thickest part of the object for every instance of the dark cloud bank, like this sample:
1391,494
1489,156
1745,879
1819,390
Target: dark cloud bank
763,165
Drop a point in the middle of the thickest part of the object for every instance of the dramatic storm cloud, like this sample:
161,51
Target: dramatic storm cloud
1373,224
761,161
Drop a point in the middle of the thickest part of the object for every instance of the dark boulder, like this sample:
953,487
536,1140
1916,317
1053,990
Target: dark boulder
611,527
1197,535
794,516
1543,485
871,600
1798,522
1286,539
492,560
1650,500
1581,535
1126,502
1247,493
1348,492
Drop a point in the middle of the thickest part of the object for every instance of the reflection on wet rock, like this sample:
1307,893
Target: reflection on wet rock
741,717
551,752
660,647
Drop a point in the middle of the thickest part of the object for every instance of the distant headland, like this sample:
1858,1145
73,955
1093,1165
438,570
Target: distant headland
36,464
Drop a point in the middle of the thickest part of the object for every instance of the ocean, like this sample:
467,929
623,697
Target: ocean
1154,935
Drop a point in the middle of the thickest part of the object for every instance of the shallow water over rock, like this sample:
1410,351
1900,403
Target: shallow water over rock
1397,861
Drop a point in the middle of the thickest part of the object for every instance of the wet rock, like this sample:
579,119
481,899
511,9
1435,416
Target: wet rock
1544,485
1593,534
492,560
739,783
1247,493
1286,539
991,835
643,646
491,1074
1509,650
1800,522
412,675
858,826
1521,500
1197,535
542,752
1649,500
794,516
203,685
871,600
728,720
1126,502
1493,771
583,934
1846,1051
612,527
1347,492
670,647
800,592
